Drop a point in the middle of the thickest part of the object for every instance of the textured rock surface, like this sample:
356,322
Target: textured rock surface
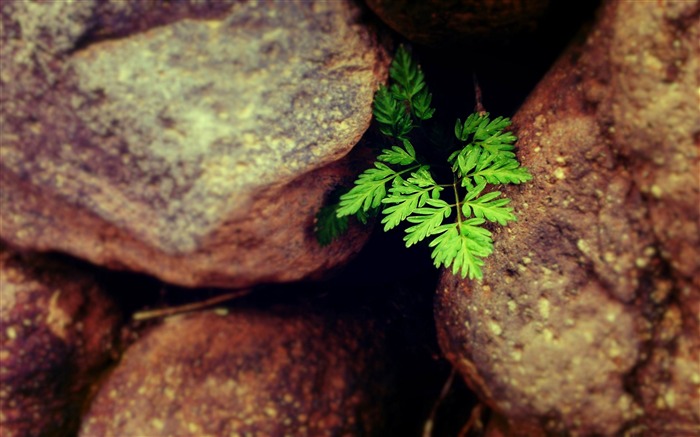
586,321
57,330
190,140
445,22
280,372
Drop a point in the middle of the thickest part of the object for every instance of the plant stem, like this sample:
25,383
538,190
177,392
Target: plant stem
413,167
458,204
170,311
429,424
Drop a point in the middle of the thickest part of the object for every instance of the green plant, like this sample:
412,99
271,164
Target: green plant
440,180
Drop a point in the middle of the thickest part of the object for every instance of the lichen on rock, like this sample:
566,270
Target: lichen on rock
134,146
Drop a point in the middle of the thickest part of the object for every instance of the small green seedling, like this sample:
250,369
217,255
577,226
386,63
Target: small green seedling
406,184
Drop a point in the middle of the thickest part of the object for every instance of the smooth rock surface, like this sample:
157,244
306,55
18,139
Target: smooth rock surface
193,141
586,321
439,23
58,329
248,372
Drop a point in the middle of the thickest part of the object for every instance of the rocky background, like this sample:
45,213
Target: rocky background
162,163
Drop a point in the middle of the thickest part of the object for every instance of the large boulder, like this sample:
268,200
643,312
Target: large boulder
59,330
587,318
439,23
191,140
283,371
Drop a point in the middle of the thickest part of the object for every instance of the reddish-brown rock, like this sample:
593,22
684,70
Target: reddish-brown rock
58,330
194,141
445,22
248,372
586,321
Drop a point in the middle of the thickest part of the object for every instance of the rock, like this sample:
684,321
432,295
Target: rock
193,141
447,22
58,330
248,372
586,321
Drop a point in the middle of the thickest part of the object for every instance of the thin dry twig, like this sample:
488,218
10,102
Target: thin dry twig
180,309
430,422
479,106
474,421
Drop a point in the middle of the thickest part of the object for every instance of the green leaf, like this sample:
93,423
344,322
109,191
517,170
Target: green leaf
474,192
409,195
363,216
488,206
369,190
500,146
404,200
485,154
393,119
328,225
481,131
481,243
470,125
408,76
405,155
446,245
487,129
427,220
409,86
466,159
421,105
423,178
462,247
504,171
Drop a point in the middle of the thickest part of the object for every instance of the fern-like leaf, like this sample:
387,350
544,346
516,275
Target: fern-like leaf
488,206
479,130
427,220
409,86
393,119
369,190
485,154
489,128
405,155
409,195
328,225
465,160
464,130
461,247
421,105
408,76
505,171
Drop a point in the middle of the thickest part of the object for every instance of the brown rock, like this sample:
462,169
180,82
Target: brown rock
58,329
447,22
281,372
586,321
193,140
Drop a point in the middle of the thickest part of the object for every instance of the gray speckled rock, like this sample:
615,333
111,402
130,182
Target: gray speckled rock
195,142
58,328
587,319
